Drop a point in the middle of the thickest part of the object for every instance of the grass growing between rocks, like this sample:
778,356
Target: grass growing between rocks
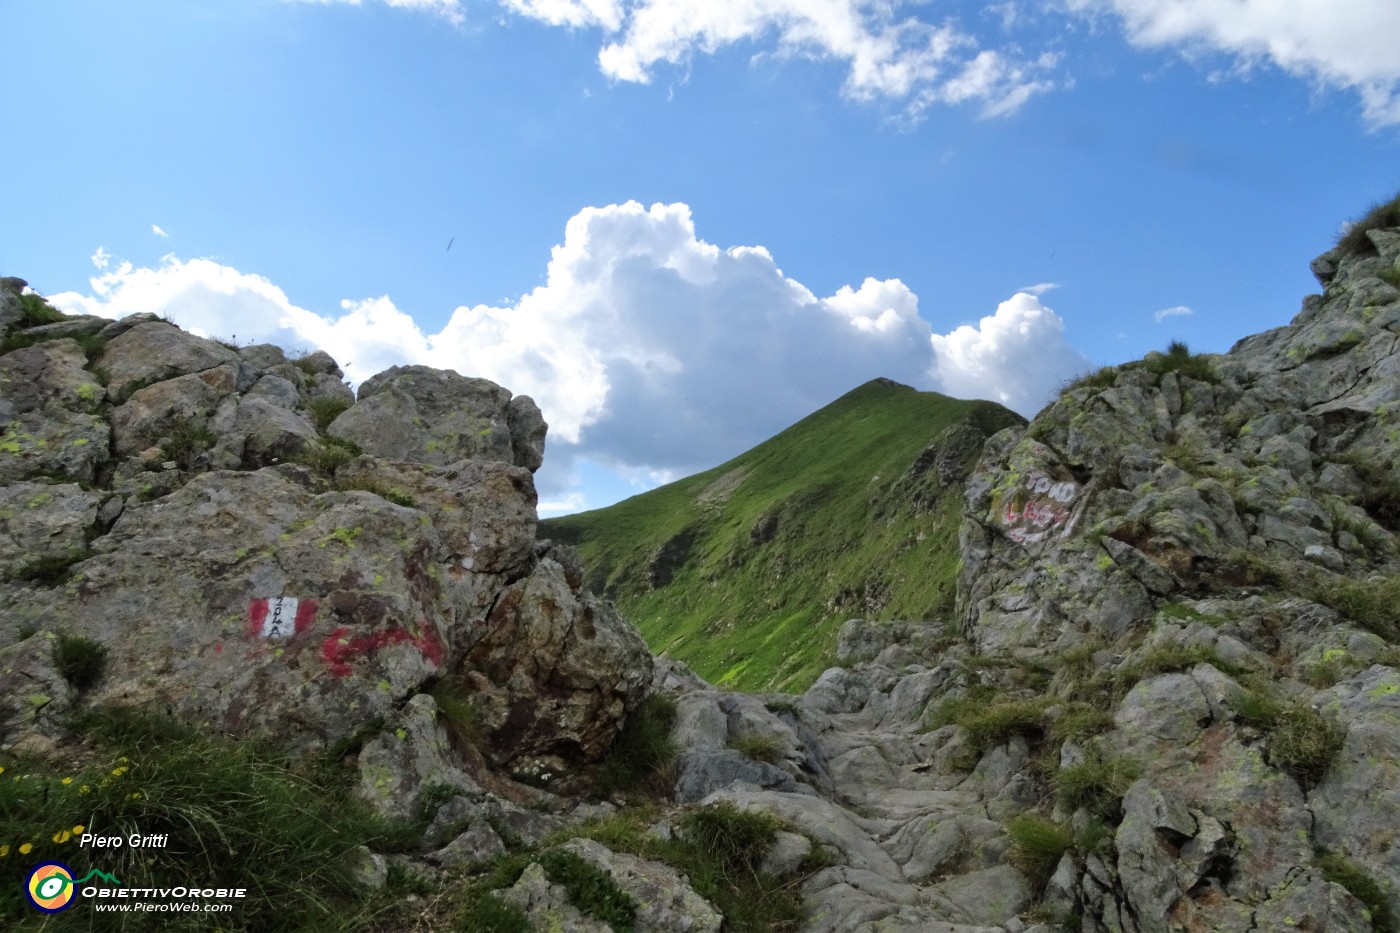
1341,870
1097,783
1300,740
53,570
1179,359
188,439
642,759
1354,241
324,409
718,848
79,660
1037,845
1372,604
235,814
758,747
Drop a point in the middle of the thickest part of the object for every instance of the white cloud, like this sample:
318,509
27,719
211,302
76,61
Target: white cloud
159,232
101,259
886,57
1017,356
649,350
1177,311
1347,44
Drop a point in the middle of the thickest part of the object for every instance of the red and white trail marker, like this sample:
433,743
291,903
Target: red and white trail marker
280,616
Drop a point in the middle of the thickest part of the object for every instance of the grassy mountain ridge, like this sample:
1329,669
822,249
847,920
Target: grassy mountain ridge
747,570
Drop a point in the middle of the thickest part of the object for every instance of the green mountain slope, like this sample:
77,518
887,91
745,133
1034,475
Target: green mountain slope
746,571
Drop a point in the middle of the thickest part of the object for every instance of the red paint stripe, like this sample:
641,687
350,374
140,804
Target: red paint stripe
306,615
257,615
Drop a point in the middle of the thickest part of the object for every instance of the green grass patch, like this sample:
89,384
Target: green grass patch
457,711
1341,870
1097,783
1078,721
235,814
53,570
188,439
1299,739
642,758
395,494
1372,604
1179,359
1037,845
759,747
1380,216
326,408
79,659
329,455
37,311
591,889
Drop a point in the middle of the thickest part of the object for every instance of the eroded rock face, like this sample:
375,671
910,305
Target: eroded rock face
173,500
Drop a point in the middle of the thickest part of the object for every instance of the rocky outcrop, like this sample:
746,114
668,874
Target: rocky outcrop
172,501
436,417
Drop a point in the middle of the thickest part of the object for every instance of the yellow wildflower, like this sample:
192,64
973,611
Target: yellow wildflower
118,772
62,836
135,796
78,830
26,848
67,780
85,789
4,851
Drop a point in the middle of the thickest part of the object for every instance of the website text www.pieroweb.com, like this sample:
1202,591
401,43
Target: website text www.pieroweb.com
53,887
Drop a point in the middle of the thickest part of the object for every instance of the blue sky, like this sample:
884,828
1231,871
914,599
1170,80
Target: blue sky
680,226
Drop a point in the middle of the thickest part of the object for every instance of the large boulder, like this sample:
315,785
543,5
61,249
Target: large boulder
437,417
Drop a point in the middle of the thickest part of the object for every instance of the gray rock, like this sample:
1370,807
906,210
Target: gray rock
665,901
547,905
412,755
479,843
436,417
154,352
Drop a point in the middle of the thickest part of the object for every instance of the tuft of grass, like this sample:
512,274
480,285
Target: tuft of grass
1300,740
324,409
492,915
37,311
591,889
232,811
990,726
642,758
188,439
1080,720
1098,379
758,747
1372,604
1355,242
1097,783
79,659
1037,845
50,571
1179,359
1341,870
328,456
738,839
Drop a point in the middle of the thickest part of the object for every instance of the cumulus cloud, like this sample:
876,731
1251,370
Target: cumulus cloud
1176,311
1348,44
650,351
1017,356
159,232
101,259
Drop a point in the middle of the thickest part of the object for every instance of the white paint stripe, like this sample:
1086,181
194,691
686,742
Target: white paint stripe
281,618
